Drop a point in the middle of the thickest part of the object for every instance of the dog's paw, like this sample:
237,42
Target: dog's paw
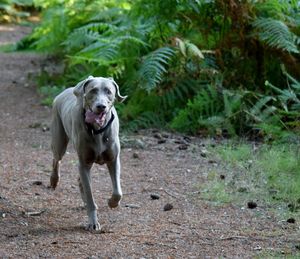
94,227
54,181
114,201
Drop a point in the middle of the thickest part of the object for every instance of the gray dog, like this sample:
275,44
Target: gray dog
85,115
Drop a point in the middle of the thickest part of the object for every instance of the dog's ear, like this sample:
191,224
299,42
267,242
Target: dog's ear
119,97
79,89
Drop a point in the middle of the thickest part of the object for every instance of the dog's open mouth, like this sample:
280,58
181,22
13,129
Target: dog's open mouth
91,117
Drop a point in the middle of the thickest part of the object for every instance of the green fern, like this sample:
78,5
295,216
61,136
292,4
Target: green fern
145,120
153,67
53,32
276,34
289,98
177,95
262,111
198,112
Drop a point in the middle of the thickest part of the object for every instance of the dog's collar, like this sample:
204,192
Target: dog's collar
93,131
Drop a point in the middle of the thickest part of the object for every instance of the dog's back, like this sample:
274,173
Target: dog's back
63,108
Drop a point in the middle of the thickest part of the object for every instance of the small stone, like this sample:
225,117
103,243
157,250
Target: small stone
183,147
157,135
186,138
45,128
291,220
203,153
257,248
35,125
165,135
132,206
37,183
135,155
251,205
178,141
168,207
212,161
140,144
154,196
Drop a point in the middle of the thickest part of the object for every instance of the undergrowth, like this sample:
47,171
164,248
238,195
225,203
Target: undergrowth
190,66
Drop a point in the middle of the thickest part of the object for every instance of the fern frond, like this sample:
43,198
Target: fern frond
286,95
188,49
276,34
262,111
107,15
193,50
79,39
153,67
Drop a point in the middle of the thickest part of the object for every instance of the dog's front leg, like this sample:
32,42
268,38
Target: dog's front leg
85,179
114,168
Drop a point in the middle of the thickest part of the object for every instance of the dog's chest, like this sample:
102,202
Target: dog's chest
101,150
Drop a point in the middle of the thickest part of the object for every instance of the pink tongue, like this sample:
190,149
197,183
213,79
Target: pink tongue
91,117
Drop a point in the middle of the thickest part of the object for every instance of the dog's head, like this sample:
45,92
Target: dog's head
98,95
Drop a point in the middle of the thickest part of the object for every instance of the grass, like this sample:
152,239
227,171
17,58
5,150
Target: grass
48,93
266,174
7,48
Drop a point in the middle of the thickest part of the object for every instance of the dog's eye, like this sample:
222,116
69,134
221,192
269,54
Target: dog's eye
107,91
94,91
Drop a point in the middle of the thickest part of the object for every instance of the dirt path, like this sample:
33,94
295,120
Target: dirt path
140,228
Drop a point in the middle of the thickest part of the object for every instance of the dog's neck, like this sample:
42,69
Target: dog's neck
94,128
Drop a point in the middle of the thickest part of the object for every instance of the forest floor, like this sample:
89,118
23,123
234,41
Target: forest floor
37,222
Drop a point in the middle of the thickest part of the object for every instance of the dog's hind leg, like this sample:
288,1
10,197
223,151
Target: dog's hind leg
59,145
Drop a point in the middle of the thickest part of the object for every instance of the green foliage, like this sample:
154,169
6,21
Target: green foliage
289,98
48,93
153,67
213,109
55,30
204,108
188,65
11,10
276,34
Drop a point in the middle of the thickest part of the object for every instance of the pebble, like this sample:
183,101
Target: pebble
37,183
132,206
203,153
157,135
251,205
183,147
154,196
291,220
168,207
135,155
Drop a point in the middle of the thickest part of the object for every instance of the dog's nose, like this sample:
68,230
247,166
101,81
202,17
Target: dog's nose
101,107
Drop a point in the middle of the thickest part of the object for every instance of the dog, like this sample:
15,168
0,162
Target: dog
86,116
